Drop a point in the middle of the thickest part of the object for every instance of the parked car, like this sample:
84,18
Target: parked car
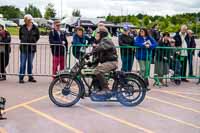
10,24
2,22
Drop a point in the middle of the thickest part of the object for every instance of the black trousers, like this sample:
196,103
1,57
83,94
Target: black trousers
2,63
4,60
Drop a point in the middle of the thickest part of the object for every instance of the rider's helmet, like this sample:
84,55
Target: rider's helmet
103,31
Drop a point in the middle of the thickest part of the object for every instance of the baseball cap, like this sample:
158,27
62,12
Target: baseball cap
126,27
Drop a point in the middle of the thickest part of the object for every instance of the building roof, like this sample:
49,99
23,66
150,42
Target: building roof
84,20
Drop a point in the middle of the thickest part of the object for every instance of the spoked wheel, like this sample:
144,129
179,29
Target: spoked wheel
132,92
65,91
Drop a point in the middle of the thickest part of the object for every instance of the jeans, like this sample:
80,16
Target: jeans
127,63
26,57
190,61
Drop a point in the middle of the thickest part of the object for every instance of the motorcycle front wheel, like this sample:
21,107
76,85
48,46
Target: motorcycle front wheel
64,91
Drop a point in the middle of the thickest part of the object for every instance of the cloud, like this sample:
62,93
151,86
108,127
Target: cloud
93,8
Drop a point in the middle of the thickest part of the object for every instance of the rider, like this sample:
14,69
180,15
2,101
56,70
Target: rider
107,56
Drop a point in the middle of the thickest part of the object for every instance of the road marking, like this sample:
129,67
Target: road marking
52,119
117,119
2,130
186,93
25,103
182,96
169,117
113,118
173,104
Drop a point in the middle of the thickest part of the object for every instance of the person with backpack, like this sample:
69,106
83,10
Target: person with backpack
59,47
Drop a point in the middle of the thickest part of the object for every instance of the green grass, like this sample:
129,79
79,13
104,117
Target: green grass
15,30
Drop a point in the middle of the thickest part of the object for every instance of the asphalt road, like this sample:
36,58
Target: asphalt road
173,109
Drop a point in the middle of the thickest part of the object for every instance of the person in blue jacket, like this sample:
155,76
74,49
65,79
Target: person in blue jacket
79,39
144,53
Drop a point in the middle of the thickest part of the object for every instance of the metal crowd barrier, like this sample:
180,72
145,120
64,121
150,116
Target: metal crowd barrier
42,62
168,58
176,63
73,59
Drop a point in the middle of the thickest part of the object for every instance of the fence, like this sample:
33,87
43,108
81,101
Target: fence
168,61
42,59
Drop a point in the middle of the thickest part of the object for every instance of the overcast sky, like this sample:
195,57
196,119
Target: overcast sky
94,8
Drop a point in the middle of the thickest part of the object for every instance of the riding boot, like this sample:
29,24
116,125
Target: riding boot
104,85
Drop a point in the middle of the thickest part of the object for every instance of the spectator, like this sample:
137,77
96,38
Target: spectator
174,63
162,57
133,32
192,44
127,54
182,41
79,39
28,33
143,54
199,69
155,33
57,38
4,51
100,25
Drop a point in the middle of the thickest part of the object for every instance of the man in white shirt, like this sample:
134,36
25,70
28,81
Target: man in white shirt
182,41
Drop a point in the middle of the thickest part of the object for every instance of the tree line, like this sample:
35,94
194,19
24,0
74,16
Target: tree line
166,23
9,11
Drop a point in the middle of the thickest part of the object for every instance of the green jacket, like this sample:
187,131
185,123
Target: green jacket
95,32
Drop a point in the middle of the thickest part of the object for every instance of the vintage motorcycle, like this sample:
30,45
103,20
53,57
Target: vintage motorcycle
69,87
